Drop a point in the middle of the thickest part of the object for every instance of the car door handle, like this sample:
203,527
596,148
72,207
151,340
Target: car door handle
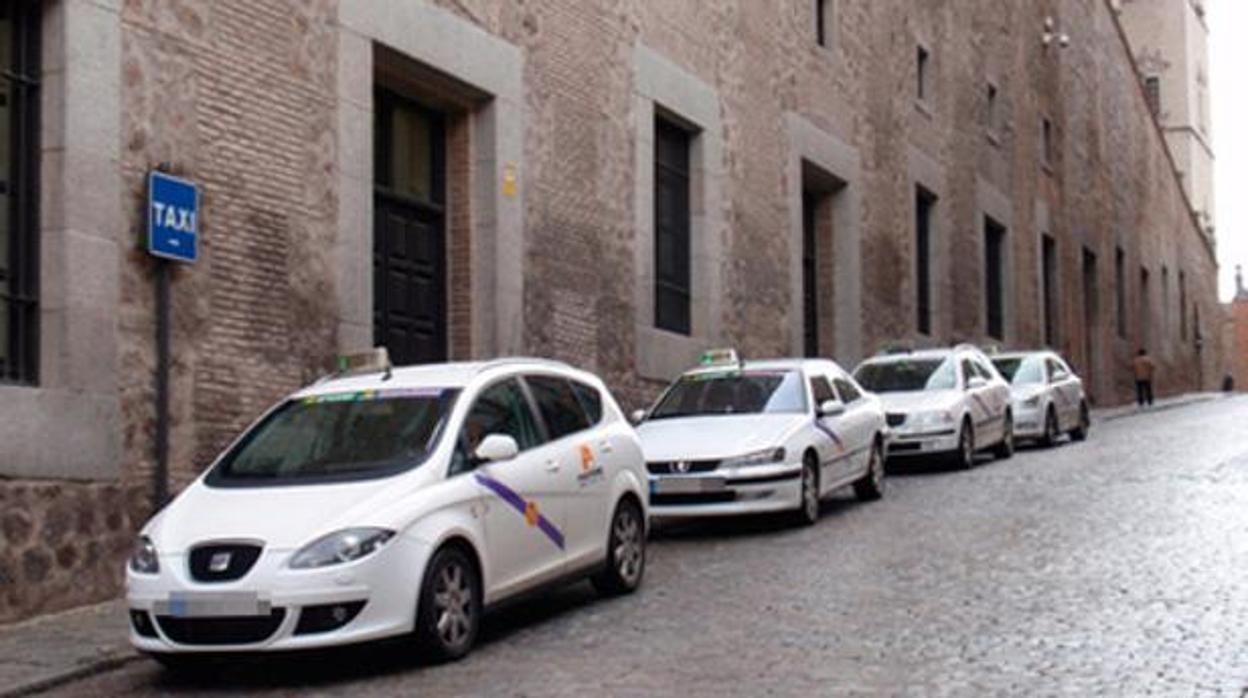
552,466
605,446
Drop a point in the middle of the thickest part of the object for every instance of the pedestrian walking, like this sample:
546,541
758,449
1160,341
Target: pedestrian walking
1144,368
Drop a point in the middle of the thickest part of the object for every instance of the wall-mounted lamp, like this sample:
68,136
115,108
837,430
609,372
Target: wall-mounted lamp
1051,34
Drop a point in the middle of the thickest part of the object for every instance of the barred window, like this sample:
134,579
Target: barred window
19,177
672,227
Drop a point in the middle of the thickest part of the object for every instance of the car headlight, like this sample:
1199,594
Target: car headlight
1032,402
340,546
932,418
143,559
764,457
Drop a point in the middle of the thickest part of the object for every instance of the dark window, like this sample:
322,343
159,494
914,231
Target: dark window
1182,305
1091,308
968,371
994,277
19,198
409,231
810,275
924,202
500,409
1152,94
591,400
821,390
671,227
1120,290
825,13
558,405
992,107
849,394
1046,141
1146,318
1048,277
923,58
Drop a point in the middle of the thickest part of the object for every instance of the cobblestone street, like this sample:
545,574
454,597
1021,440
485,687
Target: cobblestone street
1115,566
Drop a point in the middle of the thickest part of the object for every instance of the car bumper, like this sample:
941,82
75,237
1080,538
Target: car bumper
736,492
387,583
1028,422
922,443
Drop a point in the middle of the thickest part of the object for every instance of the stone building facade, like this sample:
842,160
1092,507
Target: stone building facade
615,184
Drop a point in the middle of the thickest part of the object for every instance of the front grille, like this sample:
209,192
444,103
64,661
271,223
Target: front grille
230,630
703,498
670,467
895,419
222,562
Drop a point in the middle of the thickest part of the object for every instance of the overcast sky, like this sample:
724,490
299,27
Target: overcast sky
1228,57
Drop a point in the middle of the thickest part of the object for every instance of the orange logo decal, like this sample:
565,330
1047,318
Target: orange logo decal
587,458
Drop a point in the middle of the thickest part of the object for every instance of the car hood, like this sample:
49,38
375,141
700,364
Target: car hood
715,437
920,400
282,517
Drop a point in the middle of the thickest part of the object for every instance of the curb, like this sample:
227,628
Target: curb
104,664
1126,412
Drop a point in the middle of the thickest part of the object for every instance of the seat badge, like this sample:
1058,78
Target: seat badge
220,562
681,466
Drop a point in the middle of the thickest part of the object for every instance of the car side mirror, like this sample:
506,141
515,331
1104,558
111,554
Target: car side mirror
495,448
637,417
976,382
831,408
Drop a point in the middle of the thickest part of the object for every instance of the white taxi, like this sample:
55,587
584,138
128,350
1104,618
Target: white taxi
1048,397
732,437
942,402
387,501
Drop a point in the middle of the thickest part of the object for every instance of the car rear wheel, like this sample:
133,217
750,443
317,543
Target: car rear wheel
871,485
1050,427
1080,432
450,605
626,552
808,505
964,457
1005,449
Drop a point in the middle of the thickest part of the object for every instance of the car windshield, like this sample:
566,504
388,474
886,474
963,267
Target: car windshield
1028,370
339,436
907,375
736,392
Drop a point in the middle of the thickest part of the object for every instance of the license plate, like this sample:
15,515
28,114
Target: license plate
688,485
214,605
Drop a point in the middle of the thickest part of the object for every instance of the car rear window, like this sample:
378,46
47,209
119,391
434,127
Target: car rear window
591,400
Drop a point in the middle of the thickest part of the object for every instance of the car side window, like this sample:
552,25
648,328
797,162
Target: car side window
591,400
968,371
821,390
849,394
559,406
984,371
501,408
1057,372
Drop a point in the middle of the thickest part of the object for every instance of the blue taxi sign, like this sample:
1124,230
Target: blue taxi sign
172,217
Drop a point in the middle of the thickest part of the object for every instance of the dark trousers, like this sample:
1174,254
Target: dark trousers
1144,393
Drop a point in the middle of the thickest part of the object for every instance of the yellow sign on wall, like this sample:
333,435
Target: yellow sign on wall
509,181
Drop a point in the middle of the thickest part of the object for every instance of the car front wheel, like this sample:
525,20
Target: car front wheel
1005,449
450,605
1050,428
626,552
808,505
871,485
1080,432
964,457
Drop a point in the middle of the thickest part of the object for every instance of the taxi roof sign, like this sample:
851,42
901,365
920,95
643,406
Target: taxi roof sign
374,360
720,357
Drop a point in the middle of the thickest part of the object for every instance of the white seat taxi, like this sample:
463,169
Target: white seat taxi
1048,397
385,501
942,402
732,437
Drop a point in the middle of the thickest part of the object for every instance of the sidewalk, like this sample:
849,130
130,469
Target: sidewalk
1108,414
51,650
44,652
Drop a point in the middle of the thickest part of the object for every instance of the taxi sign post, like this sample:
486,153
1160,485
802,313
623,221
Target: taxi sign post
172,236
